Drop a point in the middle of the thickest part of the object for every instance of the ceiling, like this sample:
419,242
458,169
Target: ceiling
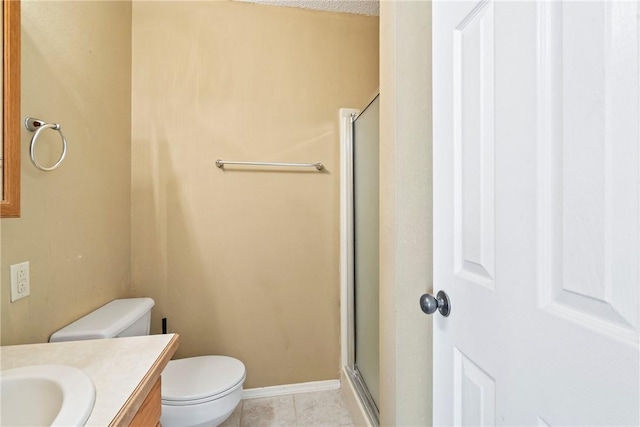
361,7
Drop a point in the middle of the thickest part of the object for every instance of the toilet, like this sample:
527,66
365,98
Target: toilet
196,391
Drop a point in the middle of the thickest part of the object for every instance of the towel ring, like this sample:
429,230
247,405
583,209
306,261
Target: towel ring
38,126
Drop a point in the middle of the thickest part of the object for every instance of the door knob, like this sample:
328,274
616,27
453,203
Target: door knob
429,304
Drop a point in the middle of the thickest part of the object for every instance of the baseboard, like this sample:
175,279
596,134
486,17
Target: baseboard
282,390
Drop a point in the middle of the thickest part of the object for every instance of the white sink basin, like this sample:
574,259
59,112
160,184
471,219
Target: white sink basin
45,395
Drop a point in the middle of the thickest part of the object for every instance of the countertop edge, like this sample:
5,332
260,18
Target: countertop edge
135,400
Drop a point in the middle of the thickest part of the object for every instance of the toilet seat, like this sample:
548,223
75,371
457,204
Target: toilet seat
201,379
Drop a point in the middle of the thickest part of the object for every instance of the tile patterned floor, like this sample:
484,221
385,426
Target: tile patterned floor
317,409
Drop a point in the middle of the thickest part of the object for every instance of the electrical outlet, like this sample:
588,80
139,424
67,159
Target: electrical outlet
20,285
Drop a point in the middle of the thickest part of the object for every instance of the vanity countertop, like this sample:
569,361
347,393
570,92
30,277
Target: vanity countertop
123,370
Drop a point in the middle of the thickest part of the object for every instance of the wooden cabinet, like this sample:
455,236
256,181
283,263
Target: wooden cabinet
150,410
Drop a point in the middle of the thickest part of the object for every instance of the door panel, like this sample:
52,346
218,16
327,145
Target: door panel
473,145
474,393
537,212
590,124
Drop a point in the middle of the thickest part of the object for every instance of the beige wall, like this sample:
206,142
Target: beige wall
75,224
405,212
244,262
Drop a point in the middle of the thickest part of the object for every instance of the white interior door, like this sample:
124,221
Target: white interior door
537,212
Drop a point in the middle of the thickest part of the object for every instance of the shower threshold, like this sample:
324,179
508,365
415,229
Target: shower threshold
365,397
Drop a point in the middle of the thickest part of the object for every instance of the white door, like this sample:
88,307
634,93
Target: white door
536,212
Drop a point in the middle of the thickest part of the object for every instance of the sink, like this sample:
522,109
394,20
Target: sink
45,395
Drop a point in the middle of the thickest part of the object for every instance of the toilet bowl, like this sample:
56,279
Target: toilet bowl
189,399
196,391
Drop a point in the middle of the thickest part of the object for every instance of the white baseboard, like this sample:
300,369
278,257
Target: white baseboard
282,390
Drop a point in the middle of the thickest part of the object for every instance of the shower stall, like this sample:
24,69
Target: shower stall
360,256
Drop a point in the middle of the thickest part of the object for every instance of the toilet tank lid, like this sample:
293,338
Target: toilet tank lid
106,322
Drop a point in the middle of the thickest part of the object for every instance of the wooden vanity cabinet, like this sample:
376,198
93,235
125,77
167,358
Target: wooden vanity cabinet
151,408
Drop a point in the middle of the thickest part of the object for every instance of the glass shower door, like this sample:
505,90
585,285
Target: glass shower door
366,264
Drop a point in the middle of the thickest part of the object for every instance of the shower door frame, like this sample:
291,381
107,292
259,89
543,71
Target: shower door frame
347,276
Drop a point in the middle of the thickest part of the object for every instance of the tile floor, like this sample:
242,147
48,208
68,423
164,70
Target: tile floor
322,408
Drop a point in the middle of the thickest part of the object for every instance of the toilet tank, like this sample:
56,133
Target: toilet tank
119,318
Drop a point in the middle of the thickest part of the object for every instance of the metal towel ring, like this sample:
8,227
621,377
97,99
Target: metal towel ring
38,126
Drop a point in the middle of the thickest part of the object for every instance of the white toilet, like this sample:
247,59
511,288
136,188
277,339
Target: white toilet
196,391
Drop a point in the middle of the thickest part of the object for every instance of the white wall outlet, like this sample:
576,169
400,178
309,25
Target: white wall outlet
20,284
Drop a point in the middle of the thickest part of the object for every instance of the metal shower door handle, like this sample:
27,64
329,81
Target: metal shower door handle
429,304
